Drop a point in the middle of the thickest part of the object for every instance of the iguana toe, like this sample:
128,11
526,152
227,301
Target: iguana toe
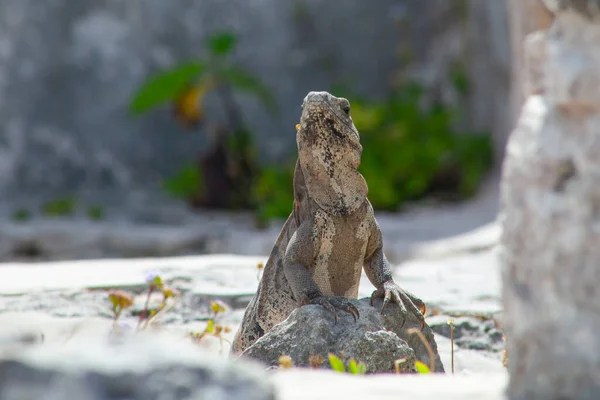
334,303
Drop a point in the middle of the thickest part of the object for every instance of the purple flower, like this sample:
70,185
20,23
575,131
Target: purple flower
124,325
151,276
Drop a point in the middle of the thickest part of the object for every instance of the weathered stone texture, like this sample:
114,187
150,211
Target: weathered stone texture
550,212
377,339
136,368
68,69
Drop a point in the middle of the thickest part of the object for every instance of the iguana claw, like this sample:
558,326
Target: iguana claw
333,303
405,300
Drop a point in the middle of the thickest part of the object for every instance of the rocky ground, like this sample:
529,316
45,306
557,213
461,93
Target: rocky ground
61,301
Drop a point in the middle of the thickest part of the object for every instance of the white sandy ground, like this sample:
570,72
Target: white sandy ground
447,258
461,283
477,377
307,384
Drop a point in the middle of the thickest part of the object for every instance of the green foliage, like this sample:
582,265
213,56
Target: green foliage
411,152
95,212
60,207
221,43
356,368
273,193
460,80
336,363
244,82
185,184
165,86
353,367
421,367
21,215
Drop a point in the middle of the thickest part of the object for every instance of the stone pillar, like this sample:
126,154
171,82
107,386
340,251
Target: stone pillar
550,212
525,16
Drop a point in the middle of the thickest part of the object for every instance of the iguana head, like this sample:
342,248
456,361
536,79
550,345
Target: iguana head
329,152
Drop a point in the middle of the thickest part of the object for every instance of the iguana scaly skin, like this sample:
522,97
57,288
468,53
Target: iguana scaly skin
331,234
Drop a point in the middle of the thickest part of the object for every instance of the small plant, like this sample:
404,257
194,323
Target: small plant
21,215
315,361
60,207
353,367
451,323
398,364
95,213
285,362
419,365
186,184
504,354
185,86
120,301
422,368
259,268
212,328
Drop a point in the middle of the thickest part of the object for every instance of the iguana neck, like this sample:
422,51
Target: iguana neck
329,180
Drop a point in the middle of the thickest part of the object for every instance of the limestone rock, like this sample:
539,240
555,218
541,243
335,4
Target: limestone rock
375,339
550,213
470,332
80,139
137,368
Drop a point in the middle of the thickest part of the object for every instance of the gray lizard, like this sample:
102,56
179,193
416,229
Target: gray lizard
331,233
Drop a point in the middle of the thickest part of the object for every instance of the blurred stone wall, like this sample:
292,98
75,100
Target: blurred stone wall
68,69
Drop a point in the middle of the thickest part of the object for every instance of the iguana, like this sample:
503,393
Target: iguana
331,233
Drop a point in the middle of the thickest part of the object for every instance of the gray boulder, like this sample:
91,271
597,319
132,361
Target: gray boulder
144,366
376,339
550,216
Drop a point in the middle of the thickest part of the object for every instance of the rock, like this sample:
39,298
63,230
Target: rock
469,332
141,367
550,213
589,9
375,339
81,139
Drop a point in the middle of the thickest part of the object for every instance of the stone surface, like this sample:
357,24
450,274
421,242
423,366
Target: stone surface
144,367
64,92
375,339
590,9
550,214
470,332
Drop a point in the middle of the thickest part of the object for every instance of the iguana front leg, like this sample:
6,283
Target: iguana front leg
300,254
379,272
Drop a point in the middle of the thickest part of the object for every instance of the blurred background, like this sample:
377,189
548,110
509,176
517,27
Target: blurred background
149,127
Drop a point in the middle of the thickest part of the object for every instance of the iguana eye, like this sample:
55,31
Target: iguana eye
346,108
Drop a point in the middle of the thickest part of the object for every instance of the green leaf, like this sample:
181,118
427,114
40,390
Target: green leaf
353,366
244,82
95,212
336,363
221,43
21,215
421,367
362,368
185,184
210,326
165,86
60,207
